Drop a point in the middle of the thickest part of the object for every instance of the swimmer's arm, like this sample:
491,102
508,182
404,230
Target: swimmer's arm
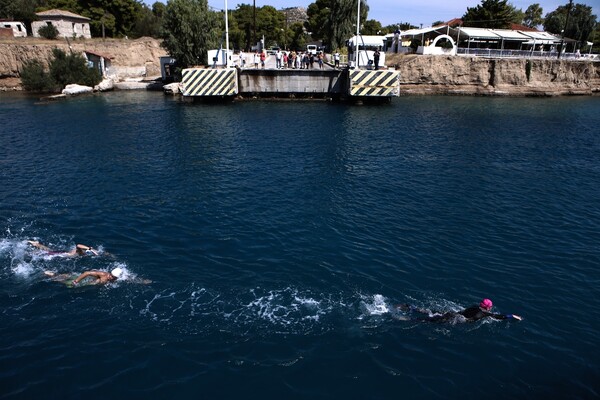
84,247
506,316
95,274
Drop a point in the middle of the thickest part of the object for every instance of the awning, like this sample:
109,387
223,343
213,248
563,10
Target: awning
418,32
479,33
507,34
367,40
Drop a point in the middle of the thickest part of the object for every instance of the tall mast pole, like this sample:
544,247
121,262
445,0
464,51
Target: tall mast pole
356,57
562,41
226,36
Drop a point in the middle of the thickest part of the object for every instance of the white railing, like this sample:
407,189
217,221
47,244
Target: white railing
496,53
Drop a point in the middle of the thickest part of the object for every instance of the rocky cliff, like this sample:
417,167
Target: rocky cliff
138,57
466,75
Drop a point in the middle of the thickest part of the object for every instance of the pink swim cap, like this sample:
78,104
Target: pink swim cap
486,303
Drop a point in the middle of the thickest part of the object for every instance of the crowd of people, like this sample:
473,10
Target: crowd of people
286,59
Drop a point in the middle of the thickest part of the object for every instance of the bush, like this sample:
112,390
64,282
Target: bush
48,32
64,69
35,78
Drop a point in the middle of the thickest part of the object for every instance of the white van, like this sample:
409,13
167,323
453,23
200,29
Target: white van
17,27
312,49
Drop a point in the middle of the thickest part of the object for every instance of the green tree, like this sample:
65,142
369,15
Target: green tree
298,36
64,69
158,9
241,32
403,26
581,22
72,68
35,78
492,14
342,21
190,29
270,24
334,21
371,27
147,23
533,15
318,19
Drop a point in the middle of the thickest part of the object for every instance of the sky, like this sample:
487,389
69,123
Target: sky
395,11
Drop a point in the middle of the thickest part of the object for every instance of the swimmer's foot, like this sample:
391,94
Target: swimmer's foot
49,273
403,307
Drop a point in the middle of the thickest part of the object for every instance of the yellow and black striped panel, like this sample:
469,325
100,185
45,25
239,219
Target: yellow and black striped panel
209,82
384,83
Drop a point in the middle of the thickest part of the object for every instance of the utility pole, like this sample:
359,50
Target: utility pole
562,41
254,25
226,36
356,57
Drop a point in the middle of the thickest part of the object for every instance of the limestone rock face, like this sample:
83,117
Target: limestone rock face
173,88
472,75
132,85
139,57
77,89
105,85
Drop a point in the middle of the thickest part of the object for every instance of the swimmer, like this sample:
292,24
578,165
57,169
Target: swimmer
92,277
473,313
79,250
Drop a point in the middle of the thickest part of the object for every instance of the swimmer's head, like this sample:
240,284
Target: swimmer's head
486,304
117,272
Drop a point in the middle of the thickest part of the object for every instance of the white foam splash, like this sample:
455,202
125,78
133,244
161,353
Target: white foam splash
374,305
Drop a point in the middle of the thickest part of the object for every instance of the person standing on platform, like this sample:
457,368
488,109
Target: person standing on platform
242,59
256,59
376,59
336,59
262,59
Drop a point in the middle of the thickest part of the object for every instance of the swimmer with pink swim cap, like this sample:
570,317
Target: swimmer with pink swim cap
473,313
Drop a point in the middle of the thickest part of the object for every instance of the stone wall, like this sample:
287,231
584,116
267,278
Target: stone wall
471,75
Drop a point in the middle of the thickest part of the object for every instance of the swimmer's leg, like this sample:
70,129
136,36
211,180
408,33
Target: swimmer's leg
38,245
410,308
60,277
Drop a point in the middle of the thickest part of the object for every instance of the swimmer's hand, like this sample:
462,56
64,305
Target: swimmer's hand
75,283
513,316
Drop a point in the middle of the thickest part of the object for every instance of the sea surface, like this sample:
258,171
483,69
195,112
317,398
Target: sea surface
280,236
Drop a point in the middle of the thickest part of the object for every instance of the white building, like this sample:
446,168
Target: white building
18,28
68,24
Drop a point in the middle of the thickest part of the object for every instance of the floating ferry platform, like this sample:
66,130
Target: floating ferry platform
344,84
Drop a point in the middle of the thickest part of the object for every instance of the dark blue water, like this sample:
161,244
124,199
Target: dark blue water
279,236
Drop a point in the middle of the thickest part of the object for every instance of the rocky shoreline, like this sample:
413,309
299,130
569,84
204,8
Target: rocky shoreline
133,61
444,75
137,65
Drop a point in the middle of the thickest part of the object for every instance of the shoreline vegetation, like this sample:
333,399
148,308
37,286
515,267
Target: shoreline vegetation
419,75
